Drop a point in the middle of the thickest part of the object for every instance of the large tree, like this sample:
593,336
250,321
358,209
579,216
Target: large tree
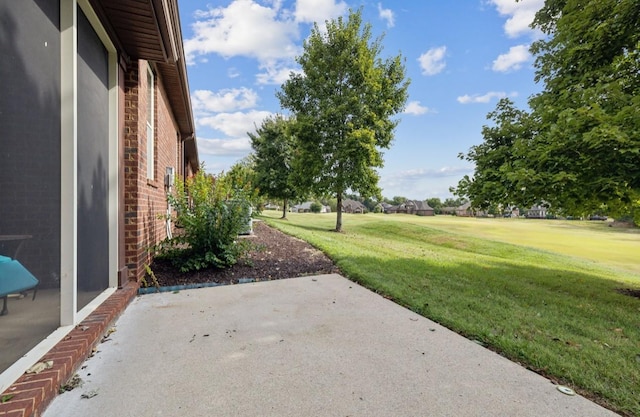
343,102
274,148
588,148
501,176
578,149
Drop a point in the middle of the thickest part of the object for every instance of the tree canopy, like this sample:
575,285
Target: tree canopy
343,102
578,148
274,147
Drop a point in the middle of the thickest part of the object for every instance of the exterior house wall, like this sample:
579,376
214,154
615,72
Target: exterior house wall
146,199
43,126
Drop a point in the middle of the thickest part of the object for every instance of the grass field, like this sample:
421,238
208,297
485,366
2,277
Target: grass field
542,293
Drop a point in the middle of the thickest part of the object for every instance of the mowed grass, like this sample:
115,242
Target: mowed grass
504,284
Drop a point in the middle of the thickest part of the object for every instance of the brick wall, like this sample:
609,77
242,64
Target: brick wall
145,200
32,393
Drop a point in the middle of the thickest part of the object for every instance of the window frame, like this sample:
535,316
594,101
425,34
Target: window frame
150,124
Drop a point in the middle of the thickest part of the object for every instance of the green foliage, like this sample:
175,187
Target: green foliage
397,200
331,202
498,178
343,102
435,203
242,176
578,148
211,213
454,202
274,146
152,276
315,207
369,202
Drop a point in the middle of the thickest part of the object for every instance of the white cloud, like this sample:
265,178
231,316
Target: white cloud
224,100
233,72
275,73
427,173
224,147
310,11
520,15
485,98
234,124
387,15
243,28
432,61
415,108
423,183
513,59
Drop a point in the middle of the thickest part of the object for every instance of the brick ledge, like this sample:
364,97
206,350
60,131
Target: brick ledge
32,393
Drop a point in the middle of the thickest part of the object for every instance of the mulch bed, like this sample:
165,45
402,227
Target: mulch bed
277,256
630,292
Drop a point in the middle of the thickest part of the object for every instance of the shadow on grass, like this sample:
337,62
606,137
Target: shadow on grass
312,228
573,327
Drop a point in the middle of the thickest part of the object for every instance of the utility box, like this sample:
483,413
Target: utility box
248,229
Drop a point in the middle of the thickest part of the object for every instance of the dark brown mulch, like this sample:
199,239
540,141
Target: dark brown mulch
278,256
630,292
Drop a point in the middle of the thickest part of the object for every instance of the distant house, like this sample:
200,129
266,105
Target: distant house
385,207
416,207
512,212
306,208
352,206
448,210
537,212
271,206
420,208
465,210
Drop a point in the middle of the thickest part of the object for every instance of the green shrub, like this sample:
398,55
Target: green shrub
210,214
315,207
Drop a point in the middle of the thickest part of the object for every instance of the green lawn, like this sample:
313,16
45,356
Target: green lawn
542,293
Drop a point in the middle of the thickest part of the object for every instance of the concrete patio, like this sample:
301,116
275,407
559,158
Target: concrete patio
310,346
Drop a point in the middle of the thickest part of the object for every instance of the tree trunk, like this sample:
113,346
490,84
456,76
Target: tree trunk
339,213
284,209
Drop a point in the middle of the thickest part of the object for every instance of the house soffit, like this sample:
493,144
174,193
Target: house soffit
150,30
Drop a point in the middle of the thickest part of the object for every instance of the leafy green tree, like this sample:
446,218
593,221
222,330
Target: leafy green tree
370,203
332,203
274,148
588,149
436,204
315,207
454,202
397,200
578,148
242,177
501,175
343,102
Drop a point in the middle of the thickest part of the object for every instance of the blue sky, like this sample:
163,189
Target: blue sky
462,56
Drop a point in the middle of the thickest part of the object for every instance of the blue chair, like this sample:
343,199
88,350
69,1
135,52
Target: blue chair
14,279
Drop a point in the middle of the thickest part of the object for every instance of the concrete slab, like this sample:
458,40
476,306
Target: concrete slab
311,346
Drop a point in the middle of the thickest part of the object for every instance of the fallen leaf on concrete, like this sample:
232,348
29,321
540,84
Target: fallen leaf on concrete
90,394
39,367
74,382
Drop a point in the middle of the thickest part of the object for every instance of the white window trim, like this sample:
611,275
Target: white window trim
151,129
